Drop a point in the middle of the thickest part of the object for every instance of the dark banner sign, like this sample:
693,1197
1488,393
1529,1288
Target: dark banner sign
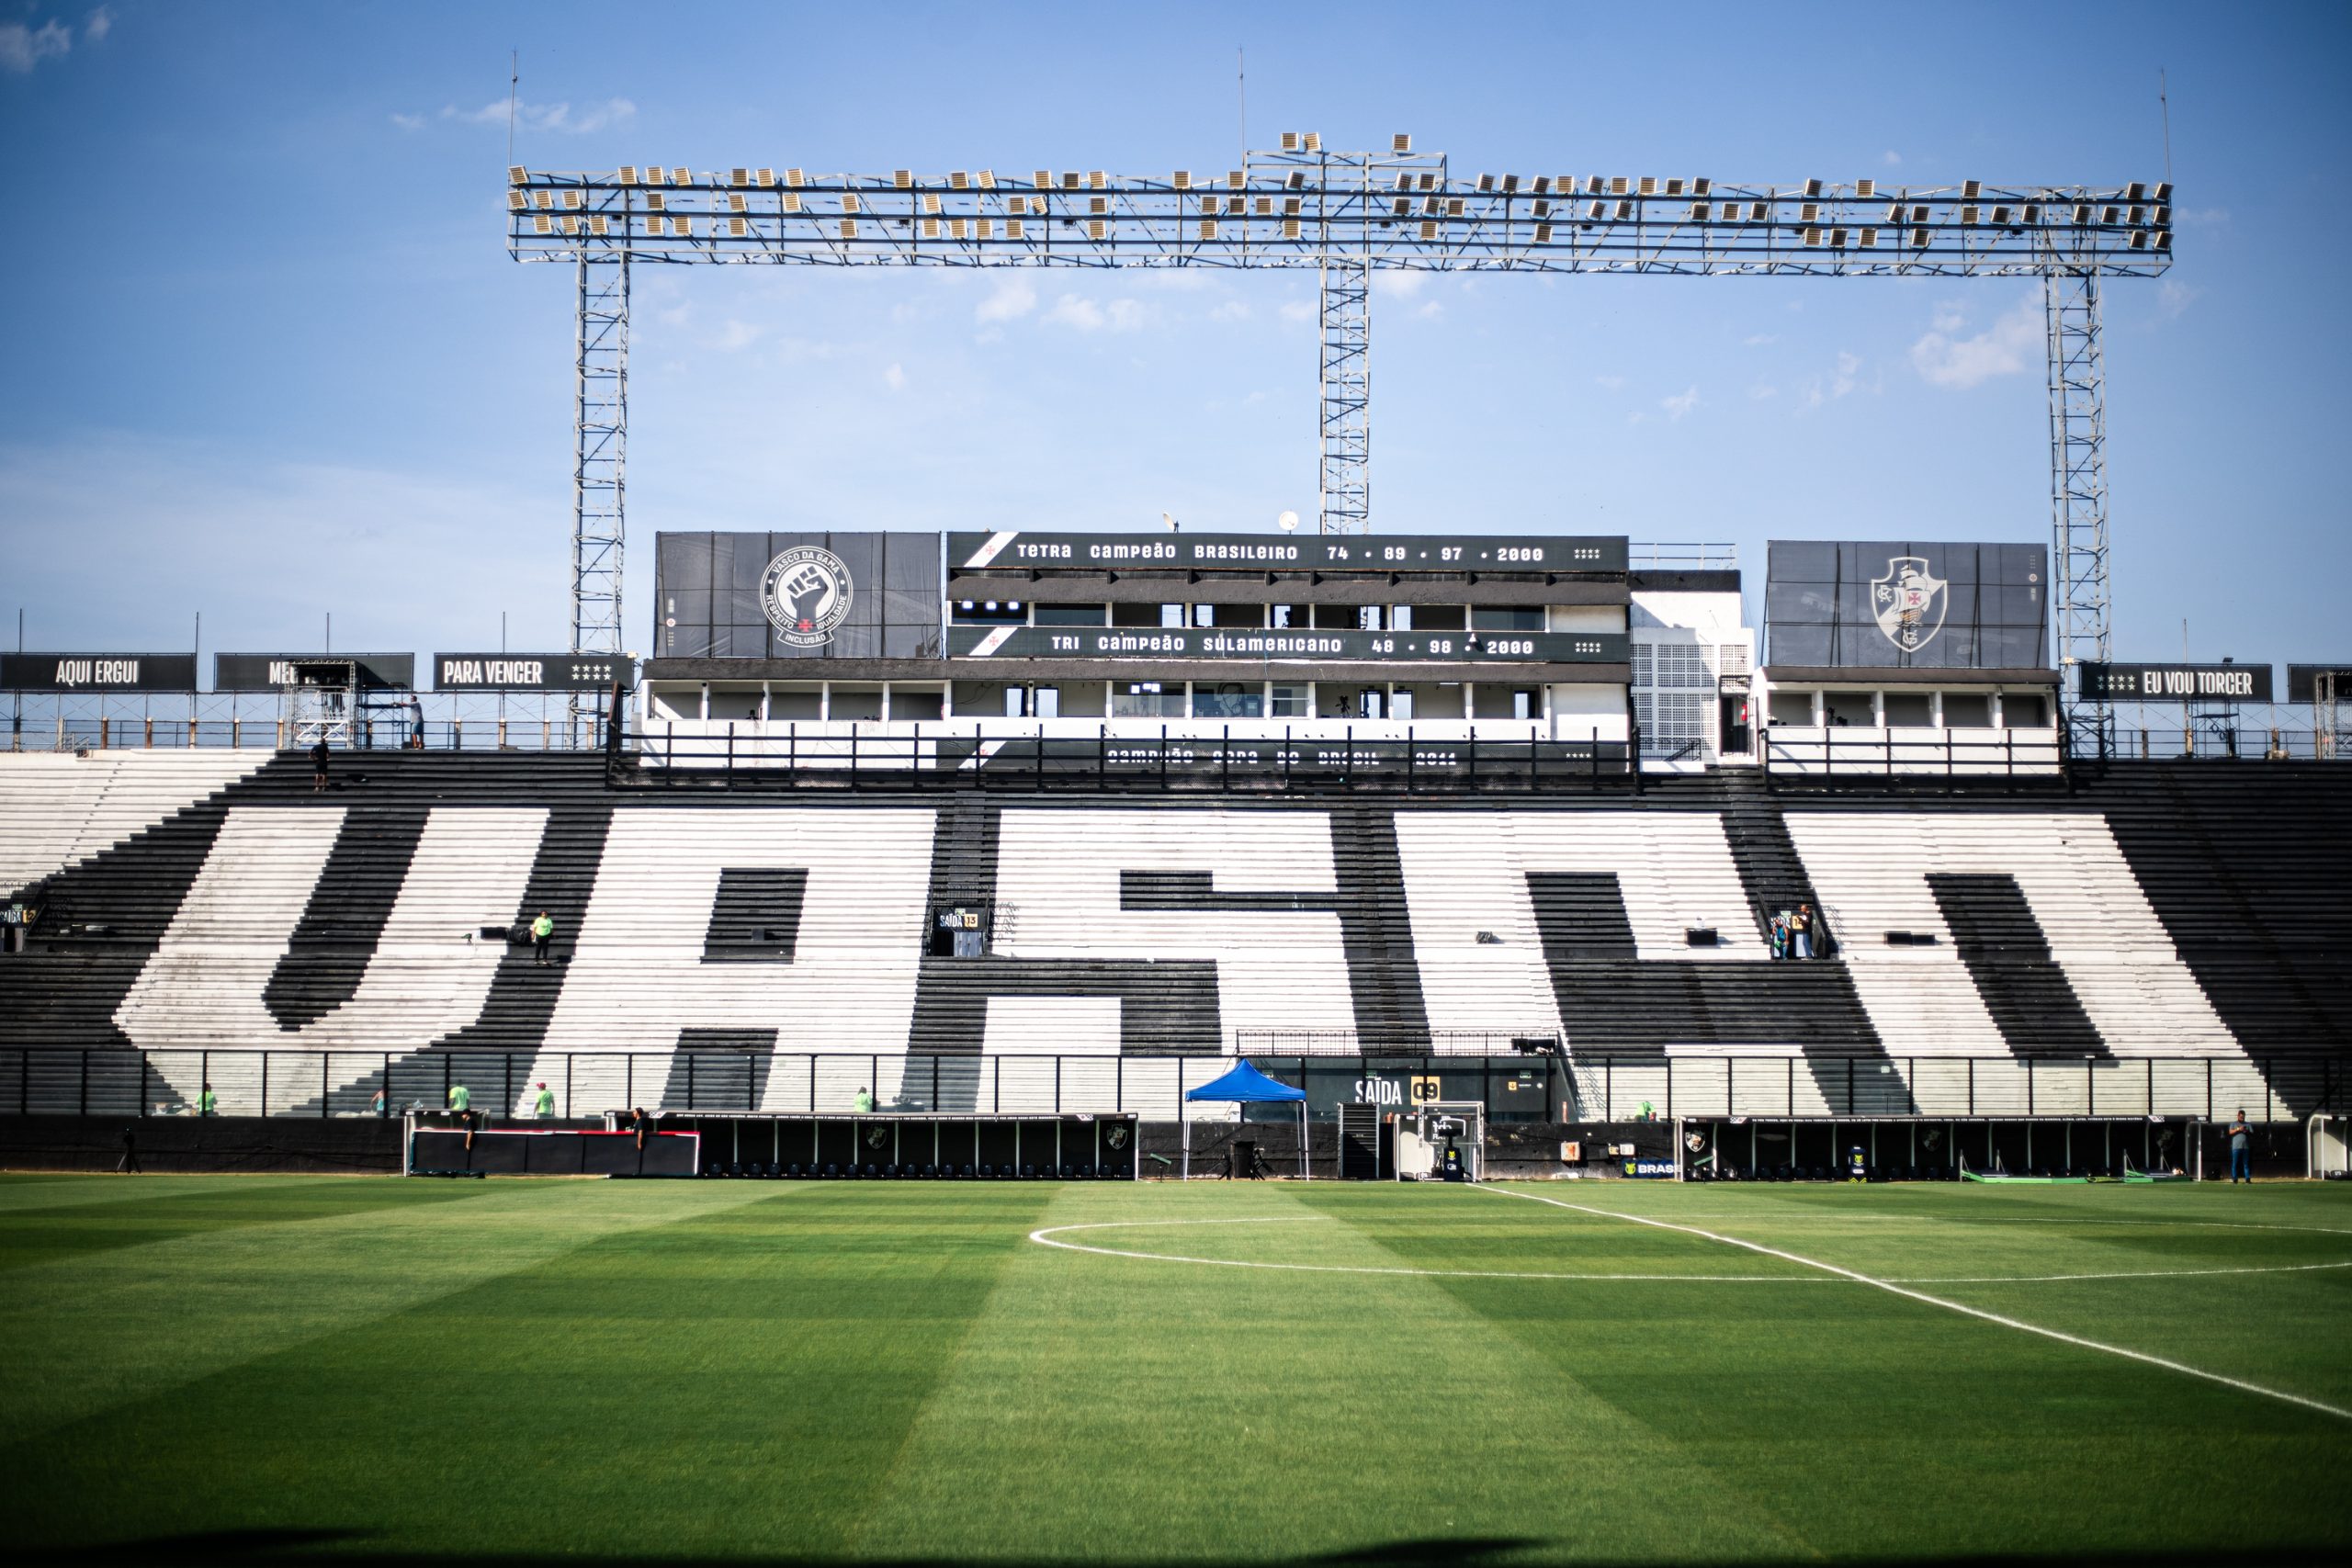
810,595
2302,682
1243,642
267,671
1283,552
530,672
97,672
2177,683
1905,604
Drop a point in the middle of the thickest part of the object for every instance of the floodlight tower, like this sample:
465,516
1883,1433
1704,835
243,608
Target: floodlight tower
1345,216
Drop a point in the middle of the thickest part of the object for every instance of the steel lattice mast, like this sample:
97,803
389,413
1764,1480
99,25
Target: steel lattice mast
1345,216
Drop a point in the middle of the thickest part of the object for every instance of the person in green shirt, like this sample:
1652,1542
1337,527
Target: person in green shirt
544,1104
865,1100
461,1099
207,1102
541,930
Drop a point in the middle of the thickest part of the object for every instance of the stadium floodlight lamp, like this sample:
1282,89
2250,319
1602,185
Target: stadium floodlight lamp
1702,185
766,178
2163,191
1971,189
1486,183
517,175
1181,180
1649,185
988,179
2137,190
1401,142
739,176
1812,189
904,178
1290,141
681,177
1674,188
628,174
1865,191
516,201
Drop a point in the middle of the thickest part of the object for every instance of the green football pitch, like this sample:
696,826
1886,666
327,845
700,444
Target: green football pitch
283,1368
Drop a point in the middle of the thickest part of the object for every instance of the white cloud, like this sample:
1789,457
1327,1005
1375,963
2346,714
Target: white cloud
22,48
1890,157
1231,310
2003,349
1757,339
100,22
546,116
895,378
1609,383
1850,365
1680,403
1762,392
409,121
736,335
1398,285
1297,310
1011,300
1430,309
1075,311
2202,217
2175,297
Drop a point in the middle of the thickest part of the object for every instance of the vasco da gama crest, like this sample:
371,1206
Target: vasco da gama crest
807,591
1909,603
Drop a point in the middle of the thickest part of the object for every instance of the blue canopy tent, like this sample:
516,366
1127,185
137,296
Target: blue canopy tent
1245,1085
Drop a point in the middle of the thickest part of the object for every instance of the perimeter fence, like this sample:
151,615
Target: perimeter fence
128,1083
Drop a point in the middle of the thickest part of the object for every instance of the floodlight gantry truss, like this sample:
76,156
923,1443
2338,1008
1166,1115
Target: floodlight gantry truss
1343,216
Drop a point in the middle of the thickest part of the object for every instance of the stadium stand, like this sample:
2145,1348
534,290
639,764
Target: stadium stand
2156,910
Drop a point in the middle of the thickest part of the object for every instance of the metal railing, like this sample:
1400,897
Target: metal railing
442,721
1769,1082
1127,757
1898,750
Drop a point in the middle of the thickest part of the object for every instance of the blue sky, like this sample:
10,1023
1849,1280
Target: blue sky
265,356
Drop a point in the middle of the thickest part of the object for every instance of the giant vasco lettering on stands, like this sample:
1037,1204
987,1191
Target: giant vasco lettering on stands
1117,929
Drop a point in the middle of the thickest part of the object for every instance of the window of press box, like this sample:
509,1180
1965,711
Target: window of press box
990,613
1290,702
1908,710
1228,615
1070,615
1033,702
1289,617
2024,710
1506,618
1437,618
1229,699
1793,709
1968,710
1147,699
1143,615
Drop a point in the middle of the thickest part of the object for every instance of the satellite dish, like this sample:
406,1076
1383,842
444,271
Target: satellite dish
1171,523
1287,520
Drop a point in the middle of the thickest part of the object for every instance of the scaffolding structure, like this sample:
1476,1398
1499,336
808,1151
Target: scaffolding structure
1344,216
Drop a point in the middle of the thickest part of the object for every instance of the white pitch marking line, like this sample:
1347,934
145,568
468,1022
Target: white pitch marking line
1044,1237
1892,1289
